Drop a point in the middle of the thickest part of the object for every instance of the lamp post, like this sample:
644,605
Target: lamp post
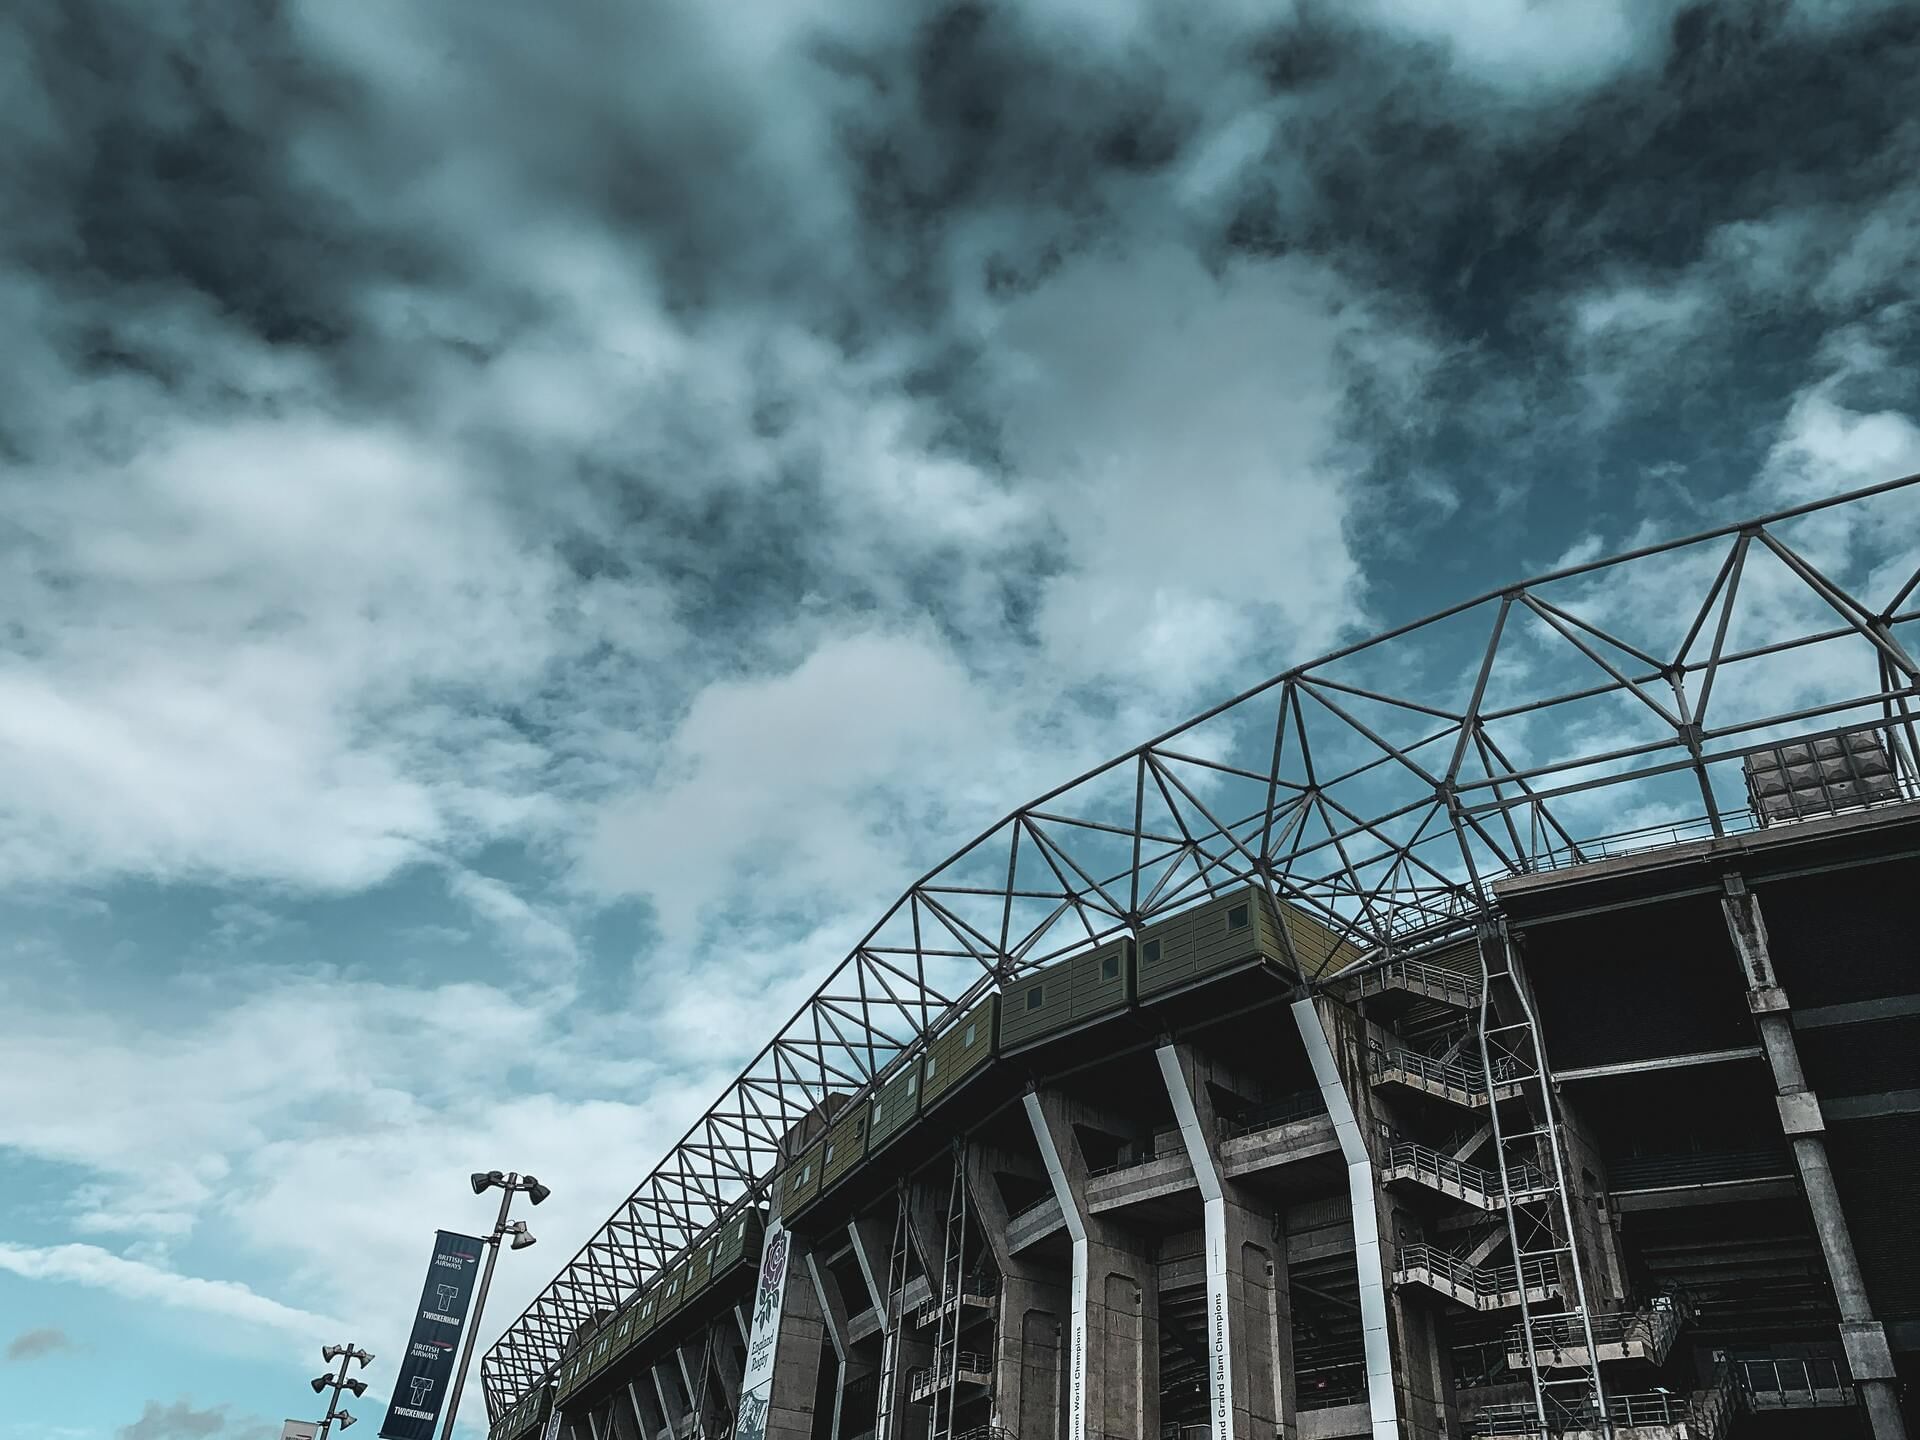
337,1381
483,1181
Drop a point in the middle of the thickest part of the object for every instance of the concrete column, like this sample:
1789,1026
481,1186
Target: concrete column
690,1377
724,1387
1250,1315
833,1315
1113,1341
1868,1354
1336,1090
666,1386
1033,1304
647,1413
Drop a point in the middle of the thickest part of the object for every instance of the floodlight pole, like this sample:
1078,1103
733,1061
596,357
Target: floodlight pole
492,1242
339,1383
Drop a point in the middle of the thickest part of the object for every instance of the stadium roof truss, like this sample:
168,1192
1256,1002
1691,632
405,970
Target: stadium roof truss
1382,787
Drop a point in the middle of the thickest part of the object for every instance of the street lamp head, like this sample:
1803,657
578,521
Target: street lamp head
364,1357
481,1180
536,1192
320,1383
332,1352
343,1417
521,1239
359,1387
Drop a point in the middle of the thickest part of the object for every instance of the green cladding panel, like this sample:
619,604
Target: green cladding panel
526,1417
895,1106
800,1181
1227,932
739,1241
1068,994
846,1146
961,1051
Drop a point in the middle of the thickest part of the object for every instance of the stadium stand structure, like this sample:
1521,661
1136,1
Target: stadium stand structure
1305,1072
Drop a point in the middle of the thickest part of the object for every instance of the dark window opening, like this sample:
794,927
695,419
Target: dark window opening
1237,918
1150,952
1110,968
1036,996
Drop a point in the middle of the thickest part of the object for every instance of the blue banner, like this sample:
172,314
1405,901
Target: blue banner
426,1370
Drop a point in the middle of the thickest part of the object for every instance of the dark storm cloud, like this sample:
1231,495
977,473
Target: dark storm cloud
781,321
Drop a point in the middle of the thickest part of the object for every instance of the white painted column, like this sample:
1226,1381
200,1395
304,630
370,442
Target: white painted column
1077,1233
1213,1214
1383,1411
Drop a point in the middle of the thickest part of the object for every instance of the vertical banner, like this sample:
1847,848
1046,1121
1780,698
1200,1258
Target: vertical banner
1213,1211
1077,1234
440,1322
763,1346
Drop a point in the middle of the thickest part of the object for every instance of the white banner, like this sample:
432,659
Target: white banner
763,1343
300,1430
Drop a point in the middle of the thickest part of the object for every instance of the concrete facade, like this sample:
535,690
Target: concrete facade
1576,1165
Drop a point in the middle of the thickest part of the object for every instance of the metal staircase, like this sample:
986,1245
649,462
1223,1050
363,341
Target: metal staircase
890,1320
1479,1287
1535,1203
945,1392
1646,1334
1471,1184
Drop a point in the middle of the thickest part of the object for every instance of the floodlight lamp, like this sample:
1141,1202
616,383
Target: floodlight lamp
343,1417
364,1357
521,1239
359,1387
481,1179
332,1352
536,1192
320,1383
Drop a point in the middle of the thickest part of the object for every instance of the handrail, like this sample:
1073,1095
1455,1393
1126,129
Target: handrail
1425,1160
1431,977
1484,1281
1300,1105
1506,1070
1034,1209
1655,1324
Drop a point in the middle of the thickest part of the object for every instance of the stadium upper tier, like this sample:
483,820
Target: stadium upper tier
1374,794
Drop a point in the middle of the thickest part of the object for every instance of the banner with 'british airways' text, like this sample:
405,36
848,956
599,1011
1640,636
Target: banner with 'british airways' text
426,1370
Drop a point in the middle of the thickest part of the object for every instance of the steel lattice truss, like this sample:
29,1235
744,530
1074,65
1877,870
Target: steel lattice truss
1382,787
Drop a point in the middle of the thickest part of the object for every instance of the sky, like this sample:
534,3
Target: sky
523,528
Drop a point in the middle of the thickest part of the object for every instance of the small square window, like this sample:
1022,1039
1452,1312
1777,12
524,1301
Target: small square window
966,1041
827,1159
1237,918
1150,952
933,1061
806,1172
1110,968
1036,997
912,1080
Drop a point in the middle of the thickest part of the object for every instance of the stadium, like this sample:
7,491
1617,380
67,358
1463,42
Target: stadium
1506,1025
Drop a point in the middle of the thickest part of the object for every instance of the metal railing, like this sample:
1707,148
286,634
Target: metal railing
1707,1413
1031,1210
967,1362
1488,1282
1660,1172
1429,1164
1455,987
1445,1073
1287,1110
1653,1328
1795,1384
